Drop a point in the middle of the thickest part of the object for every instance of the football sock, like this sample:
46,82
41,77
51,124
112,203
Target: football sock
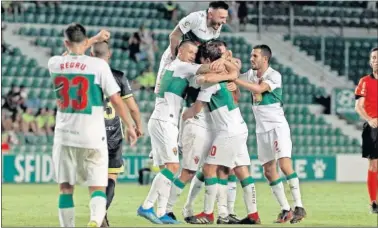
97,206
195,188
250,199
176,191
279,192
162,182
293,181
66,210
372,185
231,194
222,198
210,194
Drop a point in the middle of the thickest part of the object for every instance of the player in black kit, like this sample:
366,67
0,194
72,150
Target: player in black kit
113,124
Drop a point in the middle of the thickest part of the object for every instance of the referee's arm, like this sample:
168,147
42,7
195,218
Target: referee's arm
360,109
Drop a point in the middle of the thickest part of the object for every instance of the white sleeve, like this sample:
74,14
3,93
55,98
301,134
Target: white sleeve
107,80
189,22
207,91
51,63
191,69
246,76
274,80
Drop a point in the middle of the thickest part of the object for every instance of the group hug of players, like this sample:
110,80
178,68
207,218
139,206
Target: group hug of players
214,136
196,70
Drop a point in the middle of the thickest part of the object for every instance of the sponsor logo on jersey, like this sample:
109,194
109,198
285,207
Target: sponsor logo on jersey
196,159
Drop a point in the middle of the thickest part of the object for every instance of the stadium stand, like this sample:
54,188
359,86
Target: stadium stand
322,13
310,133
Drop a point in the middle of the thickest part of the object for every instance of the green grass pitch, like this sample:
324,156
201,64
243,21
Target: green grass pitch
327,204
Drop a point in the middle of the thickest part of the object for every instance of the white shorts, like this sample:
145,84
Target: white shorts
166,58
225,149
84,166
163,141
242,156
196,143
274,144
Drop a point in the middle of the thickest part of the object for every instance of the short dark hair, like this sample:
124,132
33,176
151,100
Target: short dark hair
265,50
373,50
182,43
219,5
219,42
209,50
75,33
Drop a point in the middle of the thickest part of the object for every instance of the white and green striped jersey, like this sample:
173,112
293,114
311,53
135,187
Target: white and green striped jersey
194,28
203,118
80,83
267,107
174,83
224,112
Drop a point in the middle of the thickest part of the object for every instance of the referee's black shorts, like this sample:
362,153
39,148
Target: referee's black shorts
115,157
369,142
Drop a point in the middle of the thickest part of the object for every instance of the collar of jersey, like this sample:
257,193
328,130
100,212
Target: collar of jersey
73,54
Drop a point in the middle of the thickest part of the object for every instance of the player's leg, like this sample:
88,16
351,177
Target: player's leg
220,154
65,176
164,141
223,213
372,184
92,170
266,156
283,146
231,195
370,151
241,170
195,188
189,136
197,150
115,167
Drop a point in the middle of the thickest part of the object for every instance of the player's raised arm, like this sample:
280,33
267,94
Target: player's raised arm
103,35
184,26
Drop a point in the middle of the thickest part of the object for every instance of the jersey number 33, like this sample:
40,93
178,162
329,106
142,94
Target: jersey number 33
76,93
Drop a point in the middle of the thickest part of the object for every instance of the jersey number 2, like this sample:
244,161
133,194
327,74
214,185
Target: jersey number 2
78,101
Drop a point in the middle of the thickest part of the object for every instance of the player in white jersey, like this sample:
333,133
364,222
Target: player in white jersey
80,148
229,126
198,27
163,129
196,142
272,131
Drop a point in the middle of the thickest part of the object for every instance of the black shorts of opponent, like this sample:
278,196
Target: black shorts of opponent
369,142
115,157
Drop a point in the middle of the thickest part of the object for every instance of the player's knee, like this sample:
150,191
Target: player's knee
173,167
210,170
269,170
373,166
66,188
187,175
241,172
223,171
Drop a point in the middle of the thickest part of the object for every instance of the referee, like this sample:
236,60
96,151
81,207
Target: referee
367,107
